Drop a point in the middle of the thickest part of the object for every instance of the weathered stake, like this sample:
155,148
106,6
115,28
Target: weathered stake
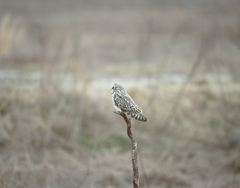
134,150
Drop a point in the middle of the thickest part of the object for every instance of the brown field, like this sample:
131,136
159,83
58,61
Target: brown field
178,59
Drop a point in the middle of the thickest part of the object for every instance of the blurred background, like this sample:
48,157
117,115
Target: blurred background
178,59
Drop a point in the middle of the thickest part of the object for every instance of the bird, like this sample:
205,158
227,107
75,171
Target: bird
124,103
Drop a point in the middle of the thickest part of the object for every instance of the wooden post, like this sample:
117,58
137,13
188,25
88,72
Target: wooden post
134,150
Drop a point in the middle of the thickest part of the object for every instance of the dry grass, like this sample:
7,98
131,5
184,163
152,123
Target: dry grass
53,140
57,126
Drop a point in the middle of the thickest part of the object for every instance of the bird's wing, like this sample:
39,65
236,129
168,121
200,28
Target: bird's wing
134,106
126,104
121,103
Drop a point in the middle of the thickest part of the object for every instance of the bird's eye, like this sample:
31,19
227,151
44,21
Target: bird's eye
112,87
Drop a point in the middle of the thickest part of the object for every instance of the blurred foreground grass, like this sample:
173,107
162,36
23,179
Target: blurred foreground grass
65,138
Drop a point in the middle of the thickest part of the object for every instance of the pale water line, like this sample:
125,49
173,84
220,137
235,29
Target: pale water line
67,79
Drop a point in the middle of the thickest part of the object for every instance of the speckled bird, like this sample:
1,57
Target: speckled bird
124,103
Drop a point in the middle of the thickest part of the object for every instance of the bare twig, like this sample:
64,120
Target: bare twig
134,150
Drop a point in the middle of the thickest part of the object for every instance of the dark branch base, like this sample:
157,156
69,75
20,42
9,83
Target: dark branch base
134,149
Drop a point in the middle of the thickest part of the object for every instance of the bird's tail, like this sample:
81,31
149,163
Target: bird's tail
139,117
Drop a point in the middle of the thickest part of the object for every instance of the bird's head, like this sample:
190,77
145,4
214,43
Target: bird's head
117,87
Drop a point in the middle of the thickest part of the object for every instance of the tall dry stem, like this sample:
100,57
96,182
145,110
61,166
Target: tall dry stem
134,150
